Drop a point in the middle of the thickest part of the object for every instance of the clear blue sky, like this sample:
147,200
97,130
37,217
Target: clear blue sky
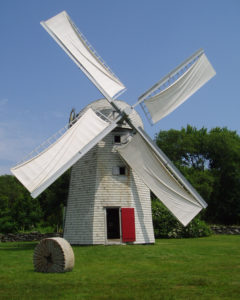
141,40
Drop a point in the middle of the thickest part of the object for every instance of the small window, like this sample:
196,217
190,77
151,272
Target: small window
122,170
119,171
117,139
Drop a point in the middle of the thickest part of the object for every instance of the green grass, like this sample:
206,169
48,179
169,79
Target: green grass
205,268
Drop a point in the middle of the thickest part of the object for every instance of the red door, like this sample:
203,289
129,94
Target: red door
128,225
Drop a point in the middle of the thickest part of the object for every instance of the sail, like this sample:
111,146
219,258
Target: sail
154,172
65,33
39,172
164,102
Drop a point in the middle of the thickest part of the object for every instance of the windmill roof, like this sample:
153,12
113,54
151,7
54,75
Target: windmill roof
107,109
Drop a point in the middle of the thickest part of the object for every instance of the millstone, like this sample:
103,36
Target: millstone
53,255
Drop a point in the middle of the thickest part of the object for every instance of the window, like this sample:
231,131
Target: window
122,171
117,139
119,170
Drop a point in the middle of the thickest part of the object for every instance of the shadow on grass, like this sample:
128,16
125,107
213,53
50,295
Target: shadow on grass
18,246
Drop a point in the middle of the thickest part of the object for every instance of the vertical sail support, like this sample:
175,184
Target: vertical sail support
176,87
72,41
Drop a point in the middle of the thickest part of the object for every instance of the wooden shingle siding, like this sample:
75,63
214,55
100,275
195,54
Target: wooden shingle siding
80,205
93,187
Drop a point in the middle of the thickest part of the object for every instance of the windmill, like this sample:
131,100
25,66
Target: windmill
114,162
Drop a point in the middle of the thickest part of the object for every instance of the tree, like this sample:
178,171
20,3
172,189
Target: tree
224,162
211,162
53,200
18,211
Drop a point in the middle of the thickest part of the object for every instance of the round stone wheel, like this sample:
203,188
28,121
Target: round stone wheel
53,255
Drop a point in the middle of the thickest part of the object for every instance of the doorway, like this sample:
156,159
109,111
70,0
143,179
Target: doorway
113,223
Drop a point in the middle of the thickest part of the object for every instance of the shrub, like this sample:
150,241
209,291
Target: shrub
7,225
167,226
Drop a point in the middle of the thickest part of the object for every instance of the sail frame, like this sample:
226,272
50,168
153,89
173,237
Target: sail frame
37,173
100,65
170,75
176,87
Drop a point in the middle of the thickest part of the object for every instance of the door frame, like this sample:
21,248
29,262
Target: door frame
112,241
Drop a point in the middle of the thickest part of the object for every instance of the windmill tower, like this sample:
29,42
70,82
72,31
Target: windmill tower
108,203
115,163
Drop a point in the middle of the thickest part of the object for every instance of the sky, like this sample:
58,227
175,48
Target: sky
141,41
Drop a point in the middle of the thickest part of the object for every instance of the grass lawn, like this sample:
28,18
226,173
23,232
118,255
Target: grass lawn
205,268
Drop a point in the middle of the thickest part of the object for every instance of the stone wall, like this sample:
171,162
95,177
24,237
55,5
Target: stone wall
27,237
36,236
222,229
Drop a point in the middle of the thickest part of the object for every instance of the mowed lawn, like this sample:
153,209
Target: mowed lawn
205,268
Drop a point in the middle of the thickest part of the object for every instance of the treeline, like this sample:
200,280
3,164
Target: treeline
20,212
210,160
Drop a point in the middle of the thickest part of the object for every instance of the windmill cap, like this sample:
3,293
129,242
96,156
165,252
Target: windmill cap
107,109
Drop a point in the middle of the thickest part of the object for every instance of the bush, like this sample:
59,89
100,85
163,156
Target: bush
167,226
7,225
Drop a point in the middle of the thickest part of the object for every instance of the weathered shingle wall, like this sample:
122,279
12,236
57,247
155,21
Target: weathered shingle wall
81,200
93,187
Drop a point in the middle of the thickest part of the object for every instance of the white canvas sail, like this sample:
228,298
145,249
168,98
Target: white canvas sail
39,172
154,173
65,33
163,103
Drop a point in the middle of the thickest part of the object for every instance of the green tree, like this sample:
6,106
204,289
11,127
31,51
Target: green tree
53,200
187,148
18,211
224,162
211,162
